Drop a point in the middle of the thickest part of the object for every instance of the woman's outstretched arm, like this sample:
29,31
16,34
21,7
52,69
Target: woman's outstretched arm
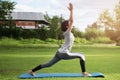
70,23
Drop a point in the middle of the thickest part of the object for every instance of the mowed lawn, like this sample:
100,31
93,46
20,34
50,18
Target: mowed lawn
17,60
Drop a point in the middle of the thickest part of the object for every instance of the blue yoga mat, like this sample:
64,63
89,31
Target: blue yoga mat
48,75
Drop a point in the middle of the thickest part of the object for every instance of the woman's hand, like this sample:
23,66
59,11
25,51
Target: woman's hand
70,6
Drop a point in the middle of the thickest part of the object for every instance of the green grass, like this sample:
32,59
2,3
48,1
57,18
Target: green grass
17,60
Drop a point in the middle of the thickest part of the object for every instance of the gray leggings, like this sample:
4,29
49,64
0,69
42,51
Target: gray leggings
65,56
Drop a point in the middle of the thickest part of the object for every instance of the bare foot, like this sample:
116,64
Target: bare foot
32,73
86,74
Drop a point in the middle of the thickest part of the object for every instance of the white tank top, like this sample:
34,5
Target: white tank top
68,42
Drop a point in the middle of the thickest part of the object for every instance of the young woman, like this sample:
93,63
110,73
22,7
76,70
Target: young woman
64,52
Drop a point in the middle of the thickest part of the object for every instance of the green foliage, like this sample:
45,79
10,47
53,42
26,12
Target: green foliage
9,42
81,41
34,41
18,33
6,7
31,41
54,28
41,33
77,32
52,32
26,42
102,40
50,40
93,33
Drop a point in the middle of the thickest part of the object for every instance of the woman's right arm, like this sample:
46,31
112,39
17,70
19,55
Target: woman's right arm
70,23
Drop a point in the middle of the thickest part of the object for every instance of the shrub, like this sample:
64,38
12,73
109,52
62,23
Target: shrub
8,41
101,40
31,41
50,40
81,41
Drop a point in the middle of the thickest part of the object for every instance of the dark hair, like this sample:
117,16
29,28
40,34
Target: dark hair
64,25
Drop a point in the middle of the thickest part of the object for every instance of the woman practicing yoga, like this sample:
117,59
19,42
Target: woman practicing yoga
64,53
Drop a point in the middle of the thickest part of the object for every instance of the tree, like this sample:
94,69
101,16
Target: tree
117,22
6,8
54,27
111,22
77,32
93,31
54,30
117,17
6,24
106,19
90,33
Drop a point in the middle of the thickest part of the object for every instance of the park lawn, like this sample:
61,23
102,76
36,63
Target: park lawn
17,60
